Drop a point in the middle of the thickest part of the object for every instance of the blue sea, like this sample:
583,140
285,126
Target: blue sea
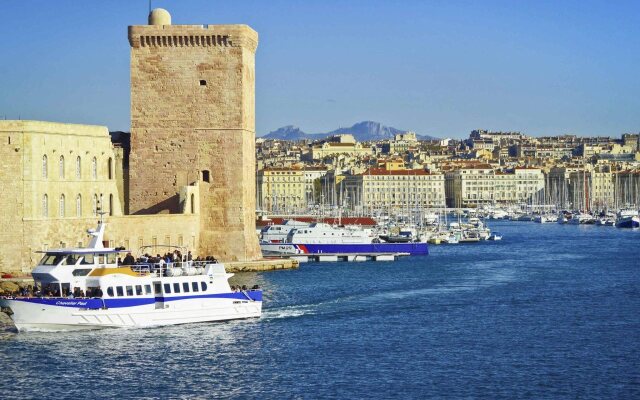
551,311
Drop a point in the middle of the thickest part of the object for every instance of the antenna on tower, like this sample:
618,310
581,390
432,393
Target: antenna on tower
149,6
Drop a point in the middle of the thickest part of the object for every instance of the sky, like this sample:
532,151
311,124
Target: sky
440,68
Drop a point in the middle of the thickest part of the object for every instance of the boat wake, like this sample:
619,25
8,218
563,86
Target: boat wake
287,312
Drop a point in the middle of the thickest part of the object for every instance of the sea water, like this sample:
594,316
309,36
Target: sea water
551,311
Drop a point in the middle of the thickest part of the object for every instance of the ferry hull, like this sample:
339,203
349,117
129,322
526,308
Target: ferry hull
34,314
361,248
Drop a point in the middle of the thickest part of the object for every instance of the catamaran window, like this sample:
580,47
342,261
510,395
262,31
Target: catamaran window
167,288
194,286
204,286
81,272
157,287
87,259
72,259
185,287
51,259
111,258
110,291
129,290
139,290
147,289
119,291
176,288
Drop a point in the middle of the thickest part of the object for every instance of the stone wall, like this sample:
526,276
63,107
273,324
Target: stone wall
11,198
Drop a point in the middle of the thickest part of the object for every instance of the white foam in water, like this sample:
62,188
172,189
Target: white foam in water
286,312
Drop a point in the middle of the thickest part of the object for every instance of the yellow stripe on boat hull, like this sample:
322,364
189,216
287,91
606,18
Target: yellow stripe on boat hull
110,271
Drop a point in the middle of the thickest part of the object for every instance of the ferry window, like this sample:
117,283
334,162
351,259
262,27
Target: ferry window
111,258
185,287
138,290
167,288
129,290
194,286
147,289
88,259
72,259
81,272
203,285
176,288
110,291
51,259
119,291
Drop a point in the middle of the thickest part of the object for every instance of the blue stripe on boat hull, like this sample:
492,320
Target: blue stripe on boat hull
255,295
411,248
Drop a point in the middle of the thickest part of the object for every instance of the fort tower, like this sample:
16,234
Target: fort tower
193,124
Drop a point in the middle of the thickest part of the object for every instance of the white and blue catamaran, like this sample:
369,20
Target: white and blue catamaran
115,295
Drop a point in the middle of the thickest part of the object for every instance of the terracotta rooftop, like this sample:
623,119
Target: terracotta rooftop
402,172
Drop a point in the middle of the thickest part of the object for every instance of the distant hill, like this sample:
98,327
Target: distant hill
364,131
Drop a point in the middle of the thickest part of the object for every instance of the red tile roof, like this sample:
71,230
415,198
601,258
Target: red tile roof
403,172
363,221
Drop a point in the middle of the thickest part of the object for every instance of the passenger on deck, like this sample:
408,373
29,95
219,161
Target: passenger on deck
98,292
128,259
189,256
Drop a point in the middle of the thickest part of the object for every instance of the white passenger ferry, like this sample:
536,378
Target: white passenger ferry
113,295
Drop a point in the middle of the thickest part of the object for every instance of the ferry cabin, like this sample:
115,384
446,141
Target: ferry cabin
61,272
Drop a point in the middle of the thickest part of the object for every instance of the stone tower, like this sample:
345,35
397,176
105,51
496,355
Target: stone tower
193,123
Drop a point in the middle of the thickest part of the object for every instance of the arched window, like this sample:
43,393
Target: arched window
61,206
94,168
78,168
45,206
95,205
111,204
79,206
61,167
193,203
110,166
45,167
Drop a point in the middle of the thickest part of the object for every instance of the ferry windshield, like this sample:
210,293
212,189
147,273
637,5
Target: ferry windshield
52,259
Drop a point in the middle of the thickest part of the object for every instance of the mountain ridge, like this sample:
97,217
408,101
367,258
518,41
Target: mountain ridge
364,131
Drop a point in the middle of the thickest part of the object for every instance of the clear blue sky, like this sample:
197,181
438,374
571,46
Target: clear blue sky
439,68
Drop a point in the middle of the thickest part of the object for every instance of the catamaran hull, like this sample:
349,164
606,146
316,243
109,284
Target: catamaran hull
415,249
33,314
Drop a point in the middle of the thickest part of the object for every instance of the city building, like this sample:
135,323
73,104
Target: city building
480,184
281,190
393,188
